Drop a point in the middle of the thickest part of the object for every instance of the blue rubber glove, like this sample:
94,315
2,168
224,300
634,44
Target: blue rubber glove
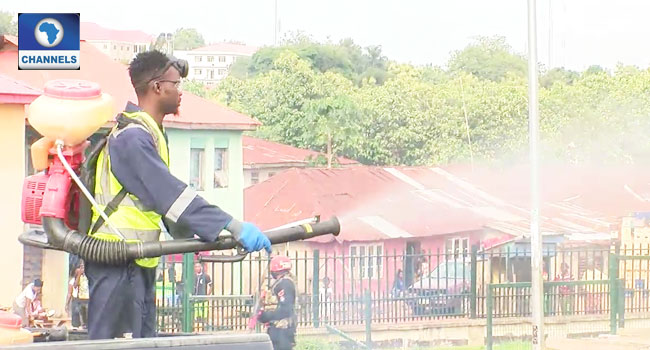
249,236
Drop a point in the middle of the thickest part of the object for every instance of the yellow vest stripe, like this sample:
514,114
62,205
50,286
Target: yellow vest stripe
136,223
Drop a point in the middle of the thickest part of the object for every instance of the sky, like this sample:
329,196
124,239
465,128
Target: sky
579,33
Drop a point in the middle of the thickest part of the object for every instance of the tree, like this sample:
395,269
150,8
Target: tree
488,58
298,105
162,44
187,39
322,97
375,57
345,58
602,117
296,37
434,75
595,69
7,24
558,74
333,116
239,69
196,88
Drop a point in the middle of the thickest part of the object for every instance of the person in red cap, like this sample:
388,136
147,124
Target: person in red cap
281,320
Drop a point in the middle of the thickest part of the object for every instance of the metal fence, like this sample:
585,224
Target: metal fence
563,298
405,286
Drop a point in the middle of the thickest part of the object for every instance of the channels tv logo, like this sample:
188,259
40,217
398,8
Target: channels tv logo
48,41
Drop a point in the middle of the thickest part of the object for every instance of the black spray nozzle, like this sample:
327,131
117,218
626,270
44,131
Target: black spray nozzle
59,237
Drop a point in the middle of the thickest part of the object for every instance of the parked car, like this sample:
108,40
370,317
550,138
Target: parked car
443,291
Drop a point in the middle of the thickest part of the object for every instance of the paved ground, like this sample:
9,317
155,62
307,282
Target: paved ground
627,339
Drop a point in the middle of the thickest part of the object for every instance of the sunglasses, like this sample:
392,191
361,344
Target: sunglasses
177,83
180,65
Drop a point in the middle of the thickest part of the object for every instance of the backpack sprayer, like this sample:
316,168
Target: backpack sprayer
66,114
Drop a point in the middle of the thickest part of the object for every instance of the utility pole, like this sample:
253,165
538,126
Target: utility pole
550,34
535,233
275,25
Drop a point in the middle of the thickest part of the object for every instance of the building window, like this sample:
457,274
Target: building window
198,58
271,174
456,246
222,72
255,177
114,47
105,47
366,261
222,58
210,58
197,72
197,161
210,73
220,168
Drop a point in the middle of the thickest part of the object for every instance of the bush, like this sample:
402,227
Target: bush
314,344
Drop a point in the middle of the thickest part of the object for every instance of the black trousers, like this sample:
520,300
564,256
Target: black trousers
122,300
282,338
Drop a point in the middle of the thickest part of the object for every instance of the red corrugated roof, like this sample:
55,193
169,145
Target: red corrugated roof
93,31
13,40
13,91
259,151
360,196
113,77
599,188
378,203
229,48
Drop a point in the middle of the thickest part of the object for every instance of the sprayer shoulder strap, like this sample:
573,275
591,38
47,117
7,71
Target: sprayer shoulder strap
111,207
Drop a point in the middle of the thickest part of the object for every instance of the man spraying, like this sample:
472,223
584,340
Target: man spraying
134,184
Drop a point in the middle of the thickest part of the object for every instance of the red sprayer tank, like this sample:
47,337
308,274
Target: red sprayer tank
68,112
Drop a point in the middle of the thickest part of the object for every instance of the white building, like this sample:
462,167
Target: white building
263,159
210,64
120,45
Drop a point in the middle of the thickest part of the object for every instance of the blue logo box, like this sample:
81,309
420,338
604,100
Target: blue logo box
48,41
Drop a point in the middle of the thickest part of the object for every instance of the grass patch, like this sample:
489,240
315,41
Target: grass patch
314,344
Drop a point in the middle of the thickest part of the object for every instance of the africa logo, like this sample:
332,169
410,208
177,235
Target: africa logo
48,32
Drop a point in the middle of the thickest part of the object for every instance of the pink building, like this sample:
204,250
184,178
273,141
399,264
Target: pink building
438,214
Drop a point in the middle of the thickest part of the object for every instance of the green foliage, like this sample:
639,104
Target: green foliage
239,69
601,117
488,58
304,343
343,100
595,69
196,88
188,39
346,58
297,105
7,24
558,75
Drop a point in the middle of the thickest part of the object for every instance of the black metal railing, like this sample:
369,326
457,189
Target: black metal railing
407,286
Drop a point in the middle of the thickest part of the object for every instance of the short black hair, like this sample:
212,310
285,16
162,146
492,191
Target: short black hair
144,67
38,282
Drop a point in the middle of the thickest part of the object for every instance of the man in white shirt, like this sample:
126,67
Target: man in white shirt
23,303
